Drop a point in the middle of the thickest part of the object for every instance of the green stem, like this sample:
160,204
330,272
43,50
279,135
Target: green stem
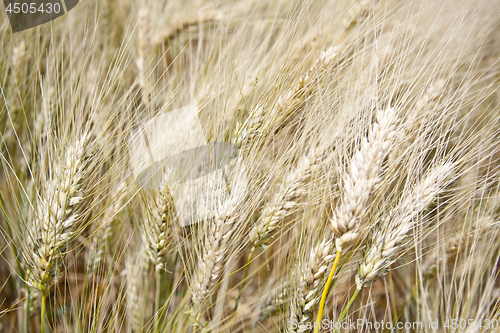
27,311
157,299
42,319
342,315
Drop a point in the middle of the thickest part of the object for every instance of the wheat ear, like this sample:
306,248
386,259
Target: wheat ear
283,203
286,200
260,120
303,85
158,222
309,289
211,263
57,220
156,234
387,241
362,177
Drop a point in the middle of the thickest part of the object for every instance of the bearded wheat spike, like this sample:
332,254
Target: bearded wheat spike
258,120
57,221
362,177
251,126
387,241
273,303
211,263
310,286
318,66
157,224
456,244
285,201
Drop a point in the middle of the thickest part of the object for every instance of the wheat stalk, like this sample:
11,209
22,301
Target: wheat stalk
274,302
363,176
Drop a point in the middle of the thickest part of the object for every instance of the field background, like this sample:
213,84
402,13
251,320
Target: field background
369,136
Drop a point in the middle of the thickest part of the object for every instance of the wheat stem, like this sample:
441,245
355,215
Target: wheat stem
157,299
42,313
344,312
325,291
247,266
27,312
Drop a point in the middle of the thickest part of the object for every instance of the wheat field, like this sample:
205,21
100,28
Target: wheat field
252,166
